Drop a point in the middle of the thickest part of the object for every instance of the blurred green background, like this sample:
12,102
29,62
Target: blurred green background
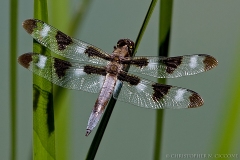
199,26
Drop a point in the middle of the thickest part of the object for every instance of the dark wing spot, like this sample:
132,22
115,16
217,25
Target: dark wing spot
25,59
94,70
209,62
133,80
93,52
61,66
63,40
138,62
29,25
195,100
172,63
159,91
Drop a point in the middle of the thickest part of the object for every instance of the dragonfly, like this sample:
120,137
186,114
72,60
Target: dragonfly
89,68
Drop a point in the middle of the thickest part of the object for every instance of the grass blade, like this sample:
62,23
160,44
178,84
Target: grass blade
164,36
227,138
59,13
145,23
13,75
62,96
43,112
103,124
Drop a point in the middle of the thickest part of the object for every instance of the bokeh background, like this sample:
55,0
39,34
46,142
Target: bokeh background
199,26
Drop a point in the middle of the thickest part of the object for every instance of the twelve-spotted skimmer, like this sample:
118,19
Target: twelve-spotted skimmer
93,70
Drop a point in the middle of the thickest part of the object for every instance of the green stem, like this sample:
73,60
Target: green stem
62,97
226,139
103,124
43,109
13,74
164,36
145,23
40,10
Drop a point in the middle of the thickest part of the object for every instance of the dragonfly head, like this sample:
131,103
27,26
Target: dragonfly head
126,43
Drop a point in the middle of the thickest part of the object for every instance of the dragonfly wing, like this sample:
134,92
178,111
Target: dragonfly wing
171,67
64,45
63,73
153,95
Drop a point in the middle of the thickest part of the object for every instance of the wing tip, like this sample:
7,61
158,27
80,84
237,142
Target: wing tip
195,100
29,25
210,62
25,59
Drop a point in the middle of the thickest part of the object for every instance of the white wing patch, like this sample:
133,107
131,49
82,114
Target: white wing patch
41,62
152,65
79,72
80,49
141,87
179,95
44,31
193,61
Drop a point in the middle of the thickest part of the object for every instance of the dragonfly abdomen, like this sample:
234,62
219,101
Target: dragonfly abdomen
101,102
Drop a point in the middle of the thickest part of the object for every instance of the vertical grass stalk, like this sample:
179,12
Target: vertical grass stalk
227,134
164,37
43,112
13,75
61,18
59,15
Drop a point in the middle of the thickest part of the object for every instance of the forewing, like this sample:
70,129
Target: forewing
63,73
153,95
171,67
64,45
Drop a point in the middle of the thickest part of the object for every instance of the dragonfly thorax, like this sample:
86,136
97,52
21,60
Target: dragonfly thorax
113,68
